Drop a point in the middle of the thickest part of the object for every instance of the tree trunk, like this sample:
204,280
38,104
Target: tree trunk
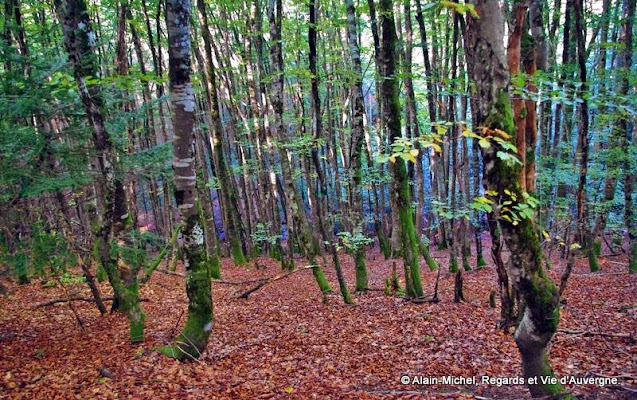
624,125
79,40
355,158
228,190
583,224
193,339
494,112
401,198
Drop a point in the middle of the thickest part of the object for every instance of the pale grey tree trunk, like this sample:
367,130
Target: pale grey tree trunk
193,339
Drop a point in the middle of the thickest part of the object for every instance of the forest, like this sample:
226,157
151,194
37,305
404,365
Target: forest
242,199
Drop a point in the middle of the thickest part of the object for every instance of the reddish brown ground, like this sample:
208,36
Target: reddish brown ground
283,342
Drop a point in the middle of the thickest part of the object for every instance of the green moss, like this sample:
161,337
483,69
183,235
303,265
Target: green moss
137,320
361,270
168,351
129,303
431,263
275,252
408,235
287,263
193,339
453,264
347,298
481,262
501,116
237,252
177,255
321,280
465,263
552,389
542,299
214,266
597,247
385,245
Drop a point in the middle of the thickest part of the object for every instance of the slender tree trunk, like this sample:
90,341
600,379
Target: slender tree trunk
583,224
233,230
514,57
297,223
401,198
355,158
79,40
629,178
193,339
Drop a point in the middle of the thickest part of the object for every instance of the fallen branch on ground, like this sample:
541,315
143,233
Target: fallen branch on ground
625,376
238,282
591,333
275,278
75,298
169,272
420,300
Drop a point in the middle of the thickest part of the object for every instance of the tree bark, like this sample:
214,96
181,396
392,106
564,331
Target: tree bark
583,224
193,339
493,111
401,197
79,40
355,158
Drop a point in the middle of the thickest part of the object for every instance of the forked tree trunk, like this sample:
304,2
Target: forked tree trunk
79,40
494,113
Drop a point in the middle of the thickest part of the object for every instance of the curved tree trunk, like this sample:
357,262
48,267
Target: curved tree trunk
494,113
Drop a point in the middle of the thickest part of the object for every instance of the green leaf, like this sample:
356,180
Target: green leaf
508,157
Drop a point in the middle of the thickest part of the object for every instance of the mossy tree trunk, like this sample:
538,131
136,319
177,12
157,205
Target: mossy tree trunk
493,111
401,197
318,122
80,40
358,135
193,339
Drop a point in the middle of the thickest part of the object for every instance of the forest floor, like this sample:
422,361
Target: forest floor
284,342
